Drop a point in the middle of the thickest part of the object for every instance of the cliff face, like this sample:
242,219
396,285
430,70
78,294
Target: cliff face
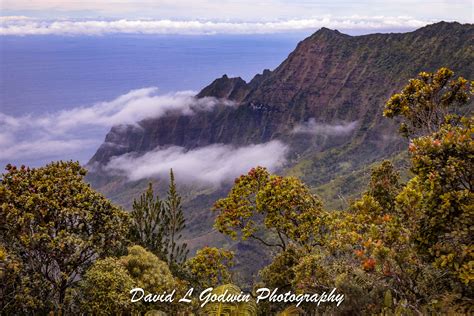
331,77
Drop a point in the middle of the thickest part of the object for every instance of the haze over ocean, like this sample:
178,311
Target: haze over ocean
44,75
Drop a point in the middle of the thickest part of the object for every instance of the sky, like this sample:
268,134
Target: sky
79,17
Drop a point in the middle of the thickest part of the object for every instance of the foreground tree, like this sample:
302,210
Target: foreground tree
157,225
272,209
443,192
176,252
105,289
149,222
210,267
55,225
439,199
425,102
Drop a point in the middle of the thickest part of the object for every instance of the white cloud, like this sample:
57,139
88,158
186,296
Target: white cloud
199,27
213,164
44,148
311,127
129,108
239,10
65,134
4,19
133,107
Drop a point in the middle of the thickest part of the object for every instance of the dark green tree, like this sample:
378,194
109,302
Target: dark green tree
176,252
158,224
149,222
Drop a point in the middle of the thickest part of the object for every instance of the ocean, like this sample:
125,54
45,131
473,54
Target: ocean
43,75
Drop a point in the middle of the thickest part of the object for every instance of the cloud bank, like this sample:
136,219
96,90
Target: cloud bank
214,164
68,133
133,107
71,132
313,128
24,26
237,10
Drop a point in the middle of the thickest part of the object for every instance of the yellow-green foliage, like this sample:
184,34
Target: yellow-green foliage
147,270
426,100
280,273
106,287
443,163
284,205
402,249
210,267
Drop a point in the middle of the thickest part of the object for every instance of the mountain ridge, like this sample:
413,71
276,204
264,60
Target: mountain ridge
329,76
330,80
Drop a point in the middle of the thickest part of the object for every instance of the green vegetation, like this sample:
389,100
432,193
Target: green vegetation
400,248
157,225
283,204
237,309
53,226
426,101
210,266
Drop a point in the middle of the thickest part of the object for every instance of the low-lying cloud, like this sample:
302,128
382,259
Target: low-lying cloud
78,131
213,164
322,129
135,106
25,26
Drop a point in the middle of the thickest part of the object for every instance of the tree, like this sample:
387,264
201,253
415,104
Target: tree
443,164
14,285
439,199
105,288
280,272
210,266
149,222
147,270
425,102
283,205
157,225
153,275
384,185
175,223
56,226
